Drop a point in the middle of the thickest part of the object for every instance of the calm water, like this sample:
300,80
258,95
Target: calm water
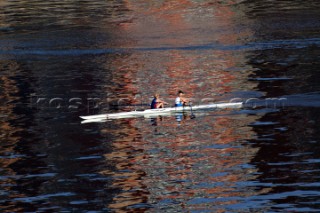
61,59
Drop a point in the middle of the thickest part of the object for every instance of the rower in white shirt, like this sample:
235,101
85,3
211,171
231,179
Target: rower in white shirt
180,100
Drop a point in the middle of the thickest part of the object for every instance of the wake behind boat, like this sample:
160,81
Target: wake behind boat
160,111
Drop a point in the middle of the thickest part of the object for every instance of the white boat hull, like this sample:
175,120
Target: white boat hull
161,111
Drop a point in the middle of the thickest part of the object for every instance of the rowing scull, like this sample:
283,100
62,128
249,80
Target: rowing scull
161,111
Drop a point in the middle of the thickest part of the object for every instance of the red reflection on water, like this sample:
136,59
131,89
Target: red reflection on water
179,162
9,138
170,160
189,159
127,178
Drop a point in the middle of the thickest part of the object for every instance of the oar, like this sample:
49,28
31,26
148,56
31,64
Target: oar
192,115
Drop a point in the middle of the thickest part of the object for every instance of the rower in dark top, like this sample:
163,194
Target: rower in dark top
156,102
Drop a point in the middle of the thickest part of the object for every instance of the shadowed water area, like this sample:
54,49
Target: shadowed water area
62,59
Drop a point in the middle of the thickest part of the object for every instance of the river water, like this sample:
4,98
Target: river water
62,59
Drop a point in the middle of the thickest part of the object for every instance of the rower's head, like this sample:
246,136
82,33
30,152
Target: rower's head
156,95
180,93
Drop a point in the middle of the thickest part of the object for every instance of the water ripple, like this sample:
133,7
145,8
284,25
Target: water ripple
281,44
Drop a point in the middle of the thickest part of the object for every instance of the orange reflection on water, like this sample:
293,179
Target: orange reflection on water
200,158
178,163
126,176
190,163
9,134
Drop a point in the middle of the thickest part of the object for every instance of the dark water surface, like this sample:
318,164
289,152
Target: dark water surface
61,59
